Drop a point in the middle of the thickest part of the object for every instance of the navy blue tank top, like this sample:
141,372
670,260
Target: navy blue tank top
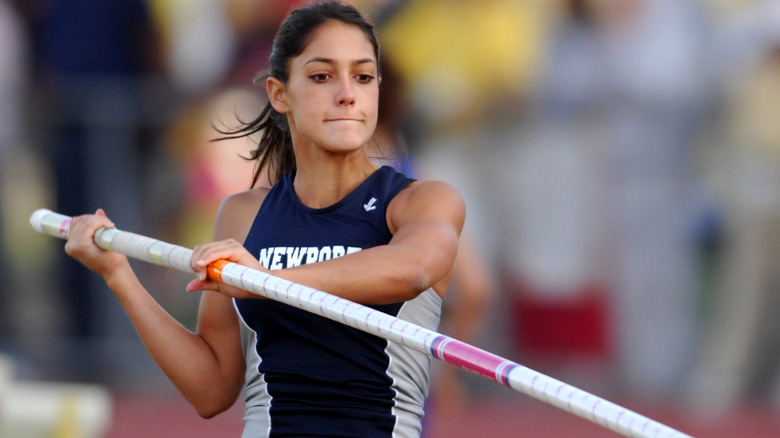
308,375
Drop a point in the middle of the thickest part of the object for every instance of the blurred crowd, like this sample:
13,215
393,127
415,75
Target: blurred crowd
620,162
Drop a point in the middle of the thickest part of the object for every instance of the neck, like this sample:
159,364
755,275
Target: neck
323,183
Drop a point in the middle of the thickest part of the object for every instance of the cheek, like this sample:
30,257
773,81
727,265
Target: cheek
309,104
304,113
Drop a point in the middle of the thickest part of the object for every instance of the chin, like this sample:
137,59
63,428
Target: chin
343,149
349,144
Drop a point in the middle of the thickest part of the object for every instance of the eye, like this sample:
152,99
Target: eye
364,78
320,77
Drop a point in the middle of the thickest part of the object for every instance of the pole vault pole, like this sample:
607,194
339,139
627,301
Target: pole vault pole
447,349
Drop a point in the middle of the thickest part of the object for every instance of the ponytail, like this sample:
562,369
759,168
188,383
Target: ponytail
274,154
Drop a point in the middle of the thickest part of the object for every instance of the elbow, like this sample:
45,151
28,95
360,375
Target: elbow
211,406
401,286
207,415
208,412
417,281
419,275
421,284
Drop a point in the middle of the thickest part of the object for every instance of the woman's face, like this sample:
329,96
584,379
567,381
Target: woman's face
331,95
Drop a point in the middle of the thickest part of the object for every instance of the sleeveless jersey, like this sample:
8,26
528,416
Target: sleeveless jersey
309,376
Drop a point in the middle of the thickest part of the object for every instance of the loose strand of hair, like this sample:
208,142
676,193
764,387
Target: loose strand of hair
273,154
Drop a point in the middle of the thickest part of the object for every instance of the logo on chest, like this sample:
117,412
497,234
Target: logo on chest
370,205
282,257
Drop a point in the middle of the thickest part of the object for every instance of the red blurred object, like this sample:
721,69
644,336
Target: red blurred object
575,324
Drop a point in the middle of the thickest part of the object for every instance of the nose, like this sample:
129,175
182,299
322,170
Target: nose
346,95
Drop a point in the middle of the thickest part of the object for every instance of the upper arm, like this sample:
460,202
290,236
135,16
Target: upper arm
428,217
236,214
217,319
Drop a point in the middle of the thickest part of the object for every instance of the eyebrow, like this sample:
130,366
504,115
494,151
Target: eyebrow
332,61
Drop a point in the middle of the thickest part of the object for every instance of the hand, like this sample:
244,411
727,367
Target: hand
82,247
230,250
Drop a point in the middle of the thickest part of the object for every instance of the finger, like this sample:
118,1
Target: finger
201,285
213,252
197,254
194,285
101,213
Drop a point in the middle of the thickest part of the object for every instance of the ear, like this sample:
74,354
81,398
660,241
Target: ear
275,89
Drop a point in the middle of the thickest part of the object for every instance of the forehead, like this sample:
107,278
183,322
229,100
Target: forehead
338,41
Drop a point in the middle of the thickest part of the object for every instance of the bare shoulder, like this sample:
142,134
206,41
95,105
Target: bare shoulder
438,193
427,200
237,212
430,187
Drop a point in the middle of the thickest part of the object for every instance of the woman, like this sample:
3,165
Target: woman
332,221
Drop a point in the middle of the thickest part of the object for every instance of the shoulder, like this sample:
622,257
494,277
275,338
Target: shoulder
426,200
237,213
429,192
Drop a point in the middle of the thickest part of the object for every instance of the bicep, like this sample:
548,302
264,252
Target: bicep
428,219
428,211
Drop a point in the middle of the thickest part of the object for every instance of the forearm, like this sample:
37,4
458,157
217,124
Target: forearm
380,275
185,357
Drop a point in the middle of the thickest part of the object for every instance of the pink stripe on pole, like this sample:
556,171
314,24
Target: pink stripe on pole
64,227
471,358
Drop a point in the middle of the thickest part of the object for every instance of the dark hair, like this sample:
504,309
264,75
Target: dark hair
274,149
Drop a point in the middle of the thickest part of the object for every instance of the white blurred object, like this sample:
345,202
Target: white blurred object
51,410
201,43
6,372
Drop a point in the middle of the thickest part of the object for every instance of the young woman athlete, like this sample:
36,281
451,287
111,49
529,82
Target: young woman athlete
332,220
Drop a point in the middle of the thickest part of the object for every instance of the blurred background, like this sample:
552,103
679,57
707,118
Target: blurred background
620,162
